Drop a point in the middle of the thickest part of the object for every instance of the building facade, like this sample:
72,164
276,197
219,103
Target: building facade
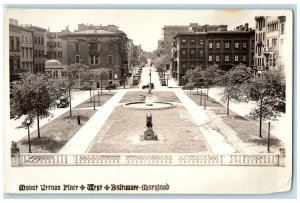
26,50
269,44
39,48
55,69
98,49
224,48
14,50
54,45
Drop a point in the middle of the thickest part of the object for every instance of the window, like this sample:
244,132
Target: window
236,58
22,50
193,42
210,45
201,53
77,58
26,39
77,47
110,60
63,74
30,40
26,52
217,58
30,51
58,35
210,58
244,45
282,28
226,58
39,53
22,38
94,46
218,45
54,54
11,43
192,52
201,42
94,60
59,54
35,40
227,45
55,73
59,44
183,53
35,53
236,45
110,74
263,38
183,42
244,58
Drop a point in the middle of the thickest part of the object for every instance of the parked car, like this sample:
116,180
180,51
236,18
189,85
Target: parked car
111,86
62,102
147,86
163,82
136,81
188,86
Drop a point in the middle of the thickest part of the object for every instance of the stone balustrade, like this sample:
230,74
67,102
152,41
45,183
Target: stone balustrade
157,159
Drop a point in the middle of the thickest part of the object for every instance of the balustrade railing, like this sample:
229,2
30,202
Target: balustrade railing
158,159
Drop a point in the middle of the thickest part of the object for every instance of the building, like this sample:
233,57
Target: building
26,50
14,50
269,42
55,68
98,49
224,48
39,48
195,28
54,45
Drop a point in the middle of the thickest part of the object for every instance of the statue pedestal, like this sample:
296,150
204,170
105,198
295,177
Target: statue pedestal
149,134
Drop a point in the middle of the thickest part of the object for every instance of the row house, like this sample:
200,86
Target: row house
224,48
14,50
26,50
270,35
98,49
39,48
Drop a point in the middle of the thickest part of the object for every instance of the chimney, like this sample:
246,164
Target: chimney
246,26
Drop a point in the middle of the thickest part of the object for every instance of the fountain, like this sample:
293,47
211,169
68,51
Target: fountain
146,102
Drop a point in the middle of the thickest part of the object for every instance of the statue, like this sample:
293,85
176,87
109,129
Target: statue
149,133
149,121
14,148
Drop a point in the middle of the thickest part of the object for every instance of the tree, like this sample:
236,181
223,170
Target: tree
34,95
73,73
161,58
100,74
234,82
193,75
269,92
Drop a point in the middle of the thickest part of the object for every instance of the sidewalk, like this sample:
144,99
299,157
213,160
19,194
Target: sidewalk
81,141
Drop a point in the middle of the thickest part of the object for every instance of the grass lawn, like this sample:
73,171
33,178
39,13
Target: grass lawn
166,96
55,134
176,131
247,130
90,103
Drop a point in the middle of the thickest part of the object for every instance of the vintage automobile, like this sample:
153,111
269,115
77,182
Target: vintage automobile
111,86
62,102
188,86
147,86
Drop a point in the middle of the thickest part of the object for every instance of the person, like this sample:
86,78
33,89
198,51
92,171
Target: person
78,119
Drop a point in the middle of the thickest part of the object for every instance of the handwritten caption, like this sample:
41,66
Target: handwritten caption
95,187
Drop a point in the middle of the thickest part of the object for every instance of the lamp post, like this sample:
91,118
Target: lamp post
94,100
124,80
28,124
269,136
98,98
150,76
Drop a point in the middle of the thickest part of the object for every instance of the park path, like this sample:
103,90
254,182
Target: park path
81,141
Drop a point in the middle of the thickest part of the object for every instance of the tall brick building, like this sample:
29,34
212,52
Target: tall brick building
97,49
225,48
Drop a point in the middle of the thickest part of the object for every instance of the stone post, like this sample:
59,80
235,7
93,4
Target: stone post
281,159
15,154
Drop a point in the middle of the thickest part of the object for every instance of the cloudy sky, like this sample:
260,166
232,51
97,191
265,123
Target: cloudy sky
144,26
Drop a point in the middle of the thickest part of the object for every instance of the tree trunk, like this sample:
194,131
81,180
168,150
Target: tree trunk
207,94
38,125
70,102
228,105
91,93
101,85
260,117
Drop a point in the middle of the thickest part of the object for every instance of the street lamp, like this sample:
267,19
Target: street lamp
28,124
94,100
98,98
124,80
150,76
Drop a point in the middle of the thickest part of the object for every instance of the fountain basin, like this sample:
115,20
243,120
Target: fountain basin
155,105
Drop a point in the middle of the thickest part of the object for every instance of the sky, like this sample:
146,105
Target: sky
143,26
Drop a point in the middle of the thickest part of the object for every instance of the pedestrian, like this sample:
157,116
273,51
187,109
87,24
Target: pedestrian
78,118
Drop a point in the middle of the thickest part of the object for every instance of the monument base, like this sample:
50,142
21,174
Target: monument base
149,134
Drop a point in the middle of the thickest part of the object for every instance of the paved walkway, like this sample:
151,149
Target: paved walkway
81,141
